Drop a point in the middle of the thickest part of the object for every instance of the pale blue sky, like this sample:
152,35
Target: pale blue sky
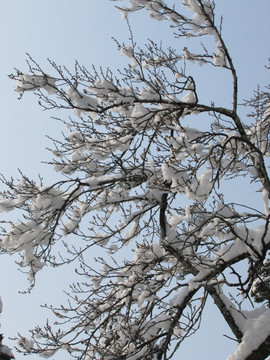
69,30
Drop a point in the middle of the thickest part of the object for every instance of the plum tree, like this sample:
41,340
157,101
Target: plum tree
139,182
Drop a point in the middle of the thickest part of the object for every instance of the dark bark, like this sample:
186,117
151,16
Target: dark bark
262,352
162,216
226,313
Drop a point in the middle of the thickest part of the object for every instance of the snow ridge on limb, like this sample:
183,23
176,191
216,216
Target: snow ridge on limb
135,177
5,351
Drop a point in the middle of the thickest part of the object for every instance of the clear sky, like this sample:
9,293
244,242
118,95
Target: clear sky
68,30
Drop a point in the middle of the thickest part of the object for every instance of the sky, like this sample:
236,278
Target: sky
82,30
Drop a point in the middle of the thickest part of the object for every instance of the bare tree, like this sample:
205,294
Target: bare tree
136,180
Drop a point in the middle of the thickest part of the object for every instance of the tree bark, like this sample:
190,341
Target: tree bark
261,352
226,313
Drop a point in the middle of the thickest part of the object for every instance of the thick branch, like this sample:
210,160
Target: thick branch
225,312
261,352
162,216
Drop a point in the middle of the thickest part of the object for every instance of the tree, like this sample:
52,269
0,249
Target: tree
135,179
261,287
5,352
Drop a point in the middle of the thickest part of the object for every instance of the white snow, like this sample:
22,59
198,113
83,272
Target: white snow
134,229
265,196
177,219
189,98
149,94
179,298
28,82
103,87
266,113
257,331
26,343
158,250
128,51
6,205
139,116
81,101
6,350
192,5
228,252
200,187
219,58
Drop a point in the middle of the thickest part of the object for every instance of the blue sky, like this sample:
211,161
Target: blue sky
68,30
